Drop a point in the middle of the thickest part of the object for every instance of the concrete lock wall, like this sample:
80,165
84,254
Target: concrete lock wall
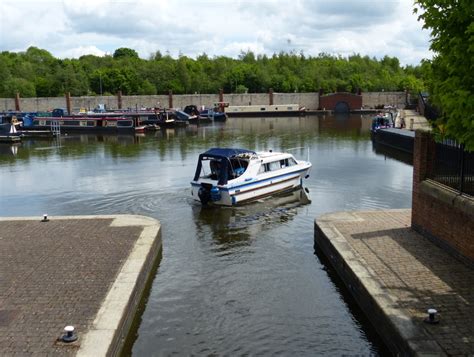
307,100
373,99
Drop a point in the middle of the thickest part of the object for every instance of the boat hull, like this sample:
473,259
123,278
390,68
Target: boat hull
251,191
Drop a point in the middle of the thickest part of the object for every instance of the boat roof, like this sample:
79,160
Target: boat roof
264,154
226,152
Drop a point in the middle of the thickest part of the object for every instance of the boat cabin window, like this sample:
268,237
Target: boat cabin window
69,122
276,165
124,123
237,167
212,168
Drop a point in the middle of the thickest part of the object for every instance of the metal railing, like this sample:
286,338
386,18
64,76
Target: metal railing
453,166
425,108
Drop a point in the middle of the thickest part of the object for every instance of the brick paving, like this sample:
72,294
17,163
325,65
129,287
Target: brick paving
416,274
54,274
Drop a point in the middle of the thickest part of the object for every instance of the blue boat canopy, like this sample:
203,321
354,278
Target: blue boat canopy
223,155
226,152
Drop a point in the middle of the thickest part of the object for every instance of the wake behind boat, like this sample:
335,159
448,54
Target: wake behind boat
227,177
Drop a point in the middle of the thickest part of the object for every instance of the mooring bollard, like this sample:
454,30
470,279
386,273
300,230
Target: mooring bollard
433,317
69,335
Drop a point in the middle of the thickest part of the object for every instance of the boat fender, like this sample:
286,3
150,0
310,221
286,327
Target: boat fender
215,194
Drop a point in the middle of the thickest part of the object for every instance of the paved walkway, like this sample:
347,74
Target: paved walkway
404,274
419,121
81,271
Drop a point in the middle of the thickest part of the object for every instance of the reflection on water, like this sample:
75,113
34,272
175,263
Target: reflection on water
229,225
8,150
232,281
392,153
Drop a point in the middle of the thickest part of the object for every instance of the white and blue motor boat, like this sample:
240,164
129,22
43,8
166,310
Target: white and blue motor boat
227,177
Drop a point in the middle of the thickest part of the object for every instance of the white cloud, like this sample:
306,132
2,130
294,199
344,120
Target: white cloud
70,28
77,52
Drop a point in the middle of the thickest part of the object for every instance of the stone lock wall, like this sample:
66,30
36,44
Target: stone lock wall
307,100
310,101
441,214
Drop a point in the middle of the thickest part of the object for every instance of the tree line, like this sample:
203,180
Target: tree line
450,74
37,73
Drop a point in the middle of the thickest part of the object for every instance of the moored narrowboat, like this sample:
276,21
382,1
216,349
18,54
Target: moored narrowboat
83,123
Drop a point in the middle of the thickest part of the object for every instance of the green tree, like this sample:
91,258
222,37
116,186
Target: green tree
147,88
284,72
241,89
125,52
45,86
451,84
20,85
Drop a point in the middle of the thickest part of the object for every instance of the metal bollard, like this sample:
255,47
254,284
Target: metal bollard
412,123
69,335
433,317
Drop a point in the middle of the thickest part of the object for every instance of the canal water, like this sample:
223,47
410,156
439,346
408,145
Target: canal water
231,281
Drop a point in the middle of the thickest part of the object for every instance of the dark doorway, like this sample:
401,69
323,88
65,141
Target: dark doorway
342,107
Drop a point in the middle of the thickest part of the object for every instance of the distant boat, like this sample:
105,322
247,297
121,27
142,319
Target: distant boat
213,115
84,123
169,119
382,121
227,177
265,110
206,115
182,115
196,113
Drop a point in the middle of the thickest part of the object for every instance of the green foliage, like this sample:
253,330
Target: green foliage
451,72
44,75
15,85
124,52
241,89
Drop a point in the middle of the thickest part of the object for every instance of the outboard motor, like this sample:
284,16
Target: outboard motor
204,195
208,193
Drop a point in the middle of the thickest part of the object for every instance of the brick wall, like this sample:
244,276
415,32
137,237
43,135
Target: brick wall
439,213
329,101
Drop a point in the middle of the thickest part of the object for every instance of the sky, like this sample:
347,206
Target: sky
70,29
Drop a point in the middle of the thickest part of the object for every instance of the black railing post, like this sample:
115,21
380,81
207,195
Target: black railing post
461,183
